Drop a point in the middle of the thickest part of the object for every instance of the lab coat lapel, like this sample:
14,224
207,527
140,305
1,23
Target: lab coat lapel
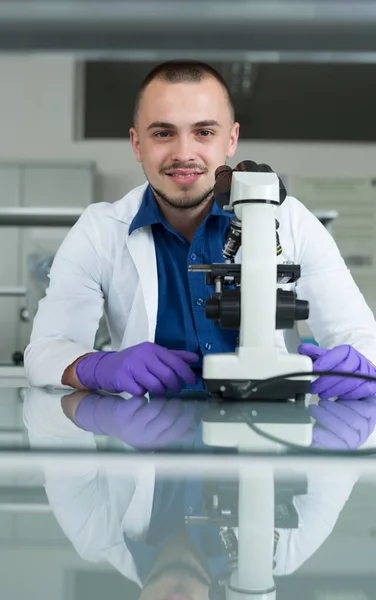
142,250
140,245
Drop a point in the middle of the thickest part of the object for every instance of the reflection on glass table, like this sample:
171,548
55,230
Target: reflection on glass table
190,536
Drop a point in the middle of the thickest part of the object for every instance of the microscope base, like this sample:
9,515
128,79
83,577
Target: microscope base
235,375
284,389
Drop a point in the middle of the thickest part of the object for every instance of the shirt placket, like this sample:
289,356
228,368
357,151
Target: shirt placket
199,293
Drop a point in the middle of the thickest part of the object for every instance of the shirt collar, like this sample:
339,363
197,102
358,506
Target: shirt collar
149,212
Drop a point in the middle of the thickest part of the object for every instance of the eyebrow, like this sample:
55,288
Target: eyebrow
164,125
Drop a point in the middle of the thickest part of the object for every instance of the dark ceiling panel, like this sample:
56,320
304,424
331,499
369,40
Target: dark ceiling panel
170,26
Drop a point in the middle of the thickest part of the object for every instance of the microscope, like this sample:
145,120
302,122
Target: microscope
247,298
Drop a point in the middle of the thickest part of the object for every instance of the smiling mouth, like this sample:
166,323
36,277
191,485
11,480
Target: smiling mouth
183,175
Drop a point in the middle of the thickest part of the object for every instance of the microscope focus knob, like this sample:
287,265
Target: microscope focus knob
224,309
290,309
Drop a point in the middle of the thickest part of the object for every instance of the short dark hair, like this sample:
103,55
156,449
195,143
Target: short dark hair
178,71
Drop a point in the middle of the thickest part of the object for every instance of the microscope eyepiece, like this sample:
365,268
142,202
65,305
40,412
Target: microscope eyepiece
222,186
247,165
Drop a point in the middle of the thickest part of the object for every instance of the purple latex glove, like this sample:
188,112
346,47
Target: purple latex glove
345,359
344,424
137,422
137,370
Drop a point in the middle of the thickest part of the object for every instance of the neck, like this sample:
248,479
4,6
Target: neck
185,221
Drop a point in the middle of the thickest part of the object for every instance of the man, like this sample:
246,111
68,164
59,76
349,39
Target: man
131,259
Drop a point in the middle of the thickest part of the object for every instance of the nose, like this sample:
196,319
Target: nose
183,150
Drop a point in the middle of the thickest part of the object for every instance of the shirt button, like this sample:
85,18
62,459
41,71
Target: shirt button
200,301
193,256
189,510
208,346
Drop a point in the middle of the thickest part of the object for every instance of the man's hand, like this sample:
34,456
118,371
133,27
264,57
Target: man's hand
343,425
137,370
347,360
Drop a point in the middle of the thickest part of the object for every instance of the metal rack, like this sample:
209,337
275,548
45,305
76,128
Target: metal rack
29,217
38,216
34,217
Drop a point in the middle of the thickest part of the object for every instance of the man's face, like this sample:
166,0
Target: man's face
184,131
176,582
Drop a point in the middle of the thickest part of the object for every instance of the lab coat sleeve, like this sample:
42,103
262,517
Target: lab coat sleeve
339,313
318,512
89,506
88,503
68,316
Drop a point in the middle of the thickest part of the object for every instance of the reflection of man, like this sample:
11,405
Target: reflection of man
130,521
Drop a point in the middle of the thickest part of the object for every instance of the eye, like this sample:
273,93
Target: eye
162,134
205,133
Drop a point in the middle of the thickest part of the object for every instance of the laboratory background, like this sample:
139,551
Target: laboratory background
305,95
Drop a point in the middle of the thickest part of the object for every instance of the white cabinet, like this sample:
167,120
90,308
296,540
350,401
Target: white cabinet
33,185
57,186
10,191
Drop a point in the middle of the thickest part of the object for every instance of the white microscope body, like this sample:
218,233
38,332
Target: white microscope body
254,198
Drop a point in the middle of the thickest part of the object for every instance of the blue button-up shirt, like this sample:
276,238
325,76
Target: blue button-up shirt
181,320
173,500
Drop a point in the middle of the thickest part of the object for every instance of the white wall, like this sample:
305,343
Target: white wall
32,573
37,111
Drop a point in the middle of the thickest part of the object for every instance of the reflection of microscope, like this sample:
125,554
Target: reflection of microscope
257,309
250,552
255,503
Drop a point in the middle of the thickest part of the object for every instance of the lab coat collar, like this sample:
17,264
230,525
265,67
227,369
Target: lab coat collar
125,209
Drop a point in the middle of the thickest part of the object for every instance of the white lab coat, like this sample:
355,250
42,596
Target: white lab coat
96,508
99,266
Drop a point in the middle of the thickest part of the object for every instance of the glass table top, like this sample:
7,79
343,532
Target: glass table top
182,498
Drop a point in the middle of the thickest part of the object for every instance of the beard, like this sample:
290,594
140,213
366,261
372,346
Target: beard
182,202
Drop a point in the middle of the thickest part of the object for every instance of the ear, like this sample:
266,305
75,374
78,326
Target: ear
133,136
233,143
